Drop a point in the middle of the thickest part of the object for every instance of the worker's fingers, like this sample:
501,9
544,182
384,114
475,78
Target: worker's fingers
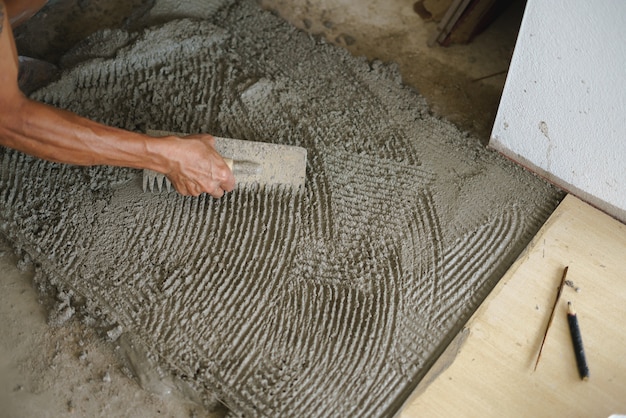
194,188
213,188
218,193
224,177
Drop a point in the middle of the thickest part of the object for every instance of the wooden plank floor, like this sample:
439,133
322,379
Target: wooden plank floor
488,370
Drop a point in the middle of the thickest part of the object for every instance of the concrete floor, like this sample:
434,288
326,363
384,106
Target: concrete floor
70,371
462,83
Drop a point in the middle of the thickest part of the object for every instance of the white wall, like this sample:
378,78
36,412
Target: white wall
563,109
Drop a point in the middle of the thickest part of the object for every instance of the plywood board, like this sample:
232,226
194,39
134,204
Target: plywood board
489,370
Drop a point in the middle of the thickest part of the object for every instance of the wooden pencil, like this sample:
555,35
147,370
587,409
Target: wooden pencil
577,340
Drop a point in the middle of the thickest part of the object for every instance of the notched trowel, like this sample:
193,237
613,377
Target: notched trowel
251,162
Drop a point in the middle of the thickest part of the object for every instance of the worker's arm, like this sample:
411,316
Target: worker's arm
192,164
20,11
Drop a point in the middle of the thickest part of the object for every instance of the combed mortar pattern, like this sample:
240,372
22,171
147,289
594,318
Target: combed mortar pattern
325,301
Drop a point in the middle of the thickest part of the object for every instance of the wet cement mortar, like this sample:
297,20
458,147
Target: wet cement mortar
330,300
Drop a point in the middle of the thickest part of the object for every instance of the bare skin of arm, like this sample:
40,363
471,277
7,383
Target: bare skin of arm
192,164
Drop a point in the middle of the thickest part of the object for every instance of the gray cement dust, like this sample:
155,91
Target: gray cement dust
329,301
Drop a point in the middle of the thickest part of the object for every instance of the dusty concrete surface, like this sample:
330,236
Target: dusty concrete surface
462,83
70,370
331,301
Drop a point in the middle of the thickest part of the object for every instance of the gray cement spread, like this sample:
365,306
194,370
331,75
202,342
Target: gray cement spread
327,301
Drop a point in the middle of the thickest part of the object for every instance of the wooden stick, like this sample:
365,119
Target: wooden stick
558,295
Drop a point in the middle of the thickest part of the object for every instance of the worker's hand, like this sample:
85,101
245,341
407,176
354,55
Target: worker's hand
196,167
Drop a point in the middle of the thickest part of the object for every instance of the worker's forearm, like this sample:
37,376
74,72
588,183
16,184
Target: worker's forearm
21,10
192,164
56,135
